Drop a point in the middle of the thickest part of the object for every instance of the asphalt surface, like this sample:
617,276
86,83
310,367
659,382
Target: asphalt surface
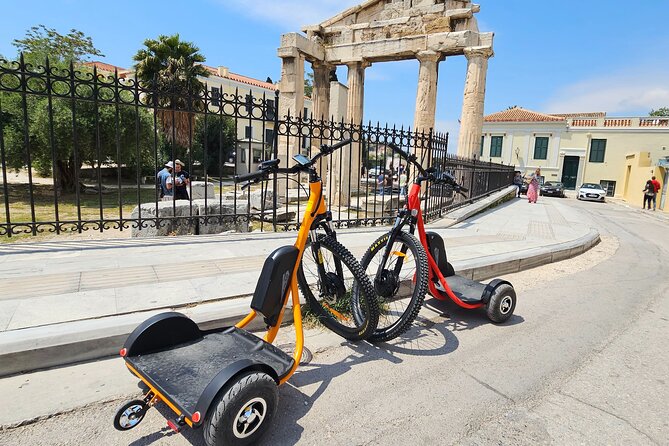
583,361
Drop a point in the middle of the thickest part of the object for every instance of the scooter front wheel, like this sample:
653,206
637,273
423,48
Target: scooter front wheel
130,415
242,413
501,304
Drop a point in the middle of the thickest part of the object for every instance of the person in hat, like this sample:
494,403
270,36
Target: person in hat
165,180
181,181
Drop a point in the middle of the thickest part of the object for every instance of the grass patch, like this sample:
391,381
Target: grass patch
109,206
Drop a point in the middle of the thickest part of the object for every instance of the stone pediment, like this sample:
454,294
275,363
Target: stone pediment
376,20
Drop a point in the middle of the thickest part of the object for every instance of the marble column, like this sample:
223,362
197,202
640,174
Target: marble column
321,106
291,98
321,91
426,96
471,121
346,165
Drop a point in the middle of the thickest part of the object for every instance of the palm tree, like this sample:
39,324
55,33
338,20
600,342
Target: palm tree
170,68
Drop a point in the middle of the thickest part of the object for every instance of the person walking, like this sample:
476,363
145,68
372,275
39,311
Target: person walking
648,194
657,186
533,187
165,180
518,182
181,180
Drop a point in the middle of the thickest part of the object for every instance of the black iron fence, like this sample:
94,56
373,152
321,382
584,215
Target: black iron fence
80,150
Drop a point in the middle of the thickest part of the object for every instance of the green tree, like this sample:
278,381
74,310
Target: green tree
61,134
309,84
662,111
213,146
41,42
170,68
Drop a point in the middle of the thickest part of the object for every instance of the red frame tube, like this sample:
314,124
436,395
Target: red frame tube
413,202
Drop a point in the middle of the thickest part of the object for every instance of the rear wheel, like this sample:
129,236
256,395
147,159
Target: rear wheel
243,412
130,415
400,287
501,304
337,290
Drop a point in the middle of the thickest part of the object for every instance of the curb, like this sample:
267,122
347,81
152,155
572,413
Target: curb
62,344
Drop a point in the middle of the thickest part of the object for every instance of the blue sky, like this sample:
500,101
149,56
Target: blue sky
566,56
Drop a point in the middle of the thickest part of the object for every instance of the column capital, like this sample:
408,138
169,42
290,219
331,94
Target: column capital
429,56
364,63
479,51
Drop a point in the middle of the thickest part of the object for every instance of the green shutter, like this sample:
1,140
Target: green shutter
482,143
597,150
541,148
496,146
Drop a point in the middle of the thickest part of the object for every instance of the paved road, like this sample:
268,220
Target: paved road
583,361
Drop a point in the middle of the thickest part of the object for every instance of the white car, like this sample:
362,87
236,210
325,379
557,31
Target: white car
591,191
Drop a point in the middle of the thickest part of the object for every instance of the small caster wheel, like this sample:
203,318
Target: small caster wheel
130,415
501,304
241,414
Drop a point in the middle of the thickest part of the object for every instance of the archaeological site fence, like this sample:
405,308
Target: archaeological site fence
80,150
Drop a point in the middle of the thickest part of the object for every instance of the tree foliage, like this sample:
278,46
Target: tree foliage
662,111
41,42
170,67
58,136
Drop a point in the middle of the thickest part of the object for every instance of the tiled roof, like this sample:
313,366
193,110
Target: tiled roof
242,79
581,115
518,114
102,66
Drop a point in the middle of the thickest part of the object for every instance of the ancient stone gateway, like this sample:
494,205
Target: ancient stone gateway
381,31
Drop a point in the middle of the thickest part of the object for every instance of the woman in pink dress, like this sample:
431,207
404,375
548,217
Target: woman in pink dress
533,187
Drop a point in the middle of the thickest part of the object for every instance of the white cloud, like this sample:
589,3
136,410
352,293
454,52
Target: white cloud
291,15
633,92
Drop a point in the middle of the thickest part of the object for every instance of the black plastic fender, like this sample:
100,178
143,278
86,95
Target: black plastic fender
223,378
490,288
161,331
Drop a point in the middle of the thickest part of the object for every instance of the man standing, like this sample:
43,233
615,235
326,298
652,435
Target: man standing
657,186
165,180
182,180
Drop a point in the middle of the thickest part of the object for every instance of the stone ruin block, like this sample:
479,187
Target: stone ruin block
210,221
166,209
200,189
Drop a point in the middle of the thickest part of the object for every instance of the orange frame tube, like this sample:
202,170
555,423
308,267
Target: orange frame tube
315,207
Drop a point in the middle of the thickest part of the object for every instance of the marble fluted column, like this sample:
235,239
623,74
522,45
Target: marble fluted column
321,104
471,120
426,96
347,164
291,99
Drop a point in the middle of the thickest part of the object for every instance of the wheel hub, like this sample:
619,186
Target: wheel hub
505,305
333,289
386,284
131,417
250,418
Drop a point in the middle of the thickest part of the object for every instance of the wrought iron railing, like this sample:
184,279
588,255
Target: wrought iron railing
80,150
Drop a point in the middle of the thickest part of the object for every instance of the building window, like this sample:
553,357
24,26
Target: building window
248,132
269,109
597,150
496,146
306,113
243,155
541,148
482,144
215,97
249,104
269,136
609,186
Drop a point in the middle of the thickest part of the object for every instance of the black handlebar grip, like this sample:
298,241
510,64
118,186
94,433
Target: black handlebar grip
249,176
340,144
